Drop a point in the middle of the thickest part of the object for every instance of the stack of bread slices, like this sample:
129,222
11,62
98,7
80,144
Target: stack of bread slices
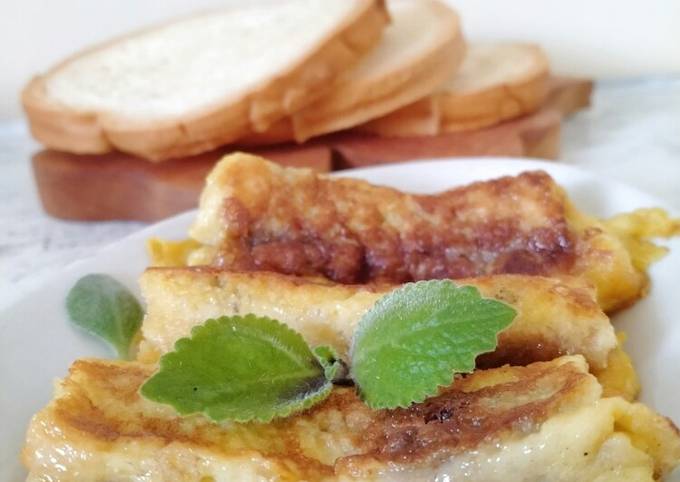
132,126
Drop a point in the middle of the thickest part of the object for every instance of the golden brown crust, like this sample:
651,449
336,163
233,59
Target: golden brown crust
555,316
262,217
349,239
465,414
64,129
100,405
99,428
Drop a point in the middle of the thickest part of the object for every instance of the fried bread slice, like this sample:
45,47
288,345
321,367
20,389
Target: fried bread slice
255,215
555,317
546,421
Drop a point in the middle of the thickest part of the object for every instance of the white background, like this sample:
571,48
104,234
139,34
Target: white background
601,38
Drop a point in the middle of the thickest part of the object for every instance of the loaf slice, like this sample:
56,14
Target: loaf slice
197,83
421,49
545,421
496,82
556,316
257,216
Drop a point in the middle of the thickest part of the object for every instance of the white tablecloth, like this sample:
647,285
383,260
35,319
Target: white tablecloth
631,133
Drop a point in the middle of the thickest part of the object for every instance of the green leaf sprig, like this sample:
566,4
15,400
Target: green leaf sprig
416,337
241,368
103,307
413,341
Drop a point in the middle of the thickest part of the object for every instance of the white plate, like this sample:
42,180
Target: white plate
37,344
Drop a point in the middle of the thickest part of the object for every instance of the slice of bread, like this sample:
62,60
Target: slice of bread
119,186
421,49
496,82
200,82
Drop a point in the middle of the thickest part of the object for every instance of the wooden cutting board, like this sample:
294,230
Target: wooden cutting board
122,187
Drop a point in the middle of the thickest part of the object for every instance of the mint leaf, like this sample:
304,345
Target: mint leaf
103,307
241,369
415,338
334,368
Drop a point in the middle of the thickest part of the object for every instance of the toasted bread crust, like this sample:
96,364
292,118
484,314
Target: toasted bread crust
493,106
355,101
62,128
473,108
